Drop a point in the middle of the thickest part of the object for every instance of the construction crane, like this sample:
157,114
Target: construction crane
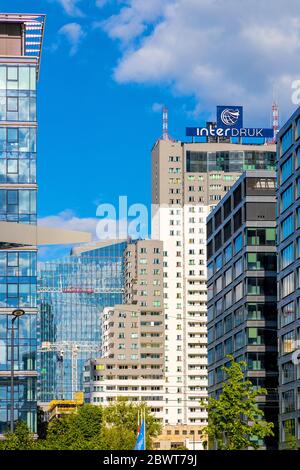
72,347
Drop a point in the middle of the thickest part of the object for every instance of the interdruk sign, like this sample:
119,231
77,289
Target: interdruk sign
229,124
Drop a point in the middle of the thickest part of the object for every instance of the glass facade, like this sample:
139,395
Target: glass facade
73,293
18,267
288,217
229,162
242,317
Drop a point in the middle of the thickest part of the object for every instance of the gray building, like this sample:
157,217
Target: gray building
242,313
288,211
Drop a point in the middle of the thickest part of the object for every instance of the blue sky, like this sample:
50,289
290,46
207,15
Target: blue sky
108,65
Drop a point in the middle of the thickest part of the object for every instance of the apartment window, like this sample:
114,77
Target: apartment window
286,141
288,401
228,299
239,316
228,253
287,285
261,261
218,262
238,243
287,227
288,342
287,372
219,307
238,292
219,351
228,276
287,198
239,340
228,323
261,237
228,346
287,256
210,270
287,314
219,329
238,267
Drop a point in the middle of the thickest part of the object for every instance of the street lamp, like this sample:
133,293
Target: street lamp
16,314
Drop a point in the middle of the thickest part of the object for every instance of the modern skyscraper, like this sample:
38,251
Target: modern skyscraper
73,293
188,180
242,288
288,227
132,356
20,49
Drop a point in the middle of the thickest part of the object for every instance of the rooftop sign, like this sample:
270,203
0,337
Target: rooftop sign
229,124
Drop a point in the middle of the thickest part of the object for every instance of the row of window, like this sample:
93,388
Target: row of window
17,139
18,205
249,311
17,77
253,237
258,286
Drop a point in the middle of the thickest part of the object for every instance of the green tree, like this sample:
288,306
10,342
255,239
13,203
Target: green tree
235,421
20,439
75,431
124,414
291,442
116,438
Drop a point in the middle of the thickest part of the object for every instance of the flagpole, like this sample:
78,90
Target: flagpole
144,429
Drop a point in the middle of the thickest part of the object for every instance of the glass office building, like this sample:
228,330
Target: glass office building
73,293
242,310
19,67
288,227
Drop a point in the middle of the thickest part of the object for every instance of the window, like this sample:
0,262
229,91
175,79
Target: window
261,286
218,285
219,352
287,314
218,262
228,276
238,292
288,342
287,256
286,140
238,243
219,329
287,198
261,261
288,401
287,285
287,372
287,227
210,270
228,299
227,253
239,340
260,237
228,346
228,323
239,316
238,267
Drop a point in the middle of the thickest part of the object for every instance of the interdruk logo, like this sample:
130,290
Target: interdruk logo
229,117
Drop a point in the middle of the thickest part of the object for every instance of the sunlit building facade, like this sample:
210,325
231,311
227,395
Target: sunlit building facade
188,181
73,293
20,48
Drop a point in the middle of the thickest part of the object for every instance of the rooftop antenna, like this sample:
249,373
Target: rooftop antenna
165,116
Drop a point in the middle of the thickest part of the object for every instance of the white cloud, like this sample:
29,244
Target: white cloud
70,7
68,220
74,33
219,51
